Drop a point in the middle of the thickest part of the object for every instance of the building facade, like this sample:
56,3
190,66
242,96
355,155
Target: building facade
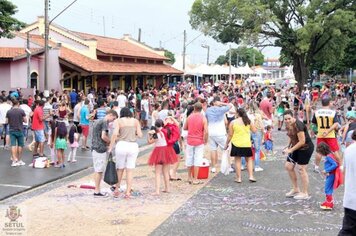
80,61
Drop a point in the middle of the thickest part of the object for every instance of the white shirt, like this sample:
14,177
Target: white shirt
350,177
27,111
4,108
76,115
145,105
122,100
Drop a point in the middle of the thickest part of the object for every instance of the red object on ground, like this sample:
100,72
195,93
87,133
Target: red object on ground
87,186
203,172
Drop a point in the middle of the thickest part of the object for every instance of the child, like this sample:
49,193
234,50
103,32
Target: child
161,157
60,143
332,173
73,141
268,141
280,112
51,141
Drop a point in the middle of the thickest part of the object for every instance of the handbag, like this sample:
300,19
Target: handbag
176,147
225,163
110,176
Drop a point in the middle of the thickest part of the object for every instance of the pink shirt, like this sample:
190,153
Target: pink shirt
195,129
266,107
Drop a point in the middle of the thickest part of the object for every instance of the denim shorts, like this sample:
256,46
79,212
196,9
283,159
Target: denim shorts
17,138
39,136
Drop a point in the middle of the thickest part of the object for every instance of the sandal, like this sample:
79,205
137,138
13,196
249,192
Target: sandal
252,180
197,182
127,196
177,179
238,181
116,194
292,194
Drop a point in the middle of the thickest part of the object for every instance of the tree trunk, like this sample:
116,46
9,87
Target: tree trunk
300,70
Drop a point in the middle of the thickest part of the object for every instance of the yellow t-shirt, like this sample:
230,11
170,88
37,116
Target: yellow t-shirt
324,119
241,136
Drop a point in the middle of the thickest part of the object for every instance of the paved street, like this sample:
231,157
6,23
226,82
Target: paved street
221,207
14,180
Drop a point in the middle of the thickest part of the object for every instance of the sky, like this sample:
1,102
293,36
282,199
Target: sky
161,22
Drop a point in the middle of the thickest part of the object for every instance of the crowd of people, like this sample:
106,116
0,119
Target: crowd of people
184,119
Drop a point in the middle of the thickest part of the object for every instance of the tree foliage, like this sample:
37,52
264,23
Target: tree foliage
8,23
241,55
169,55
307,31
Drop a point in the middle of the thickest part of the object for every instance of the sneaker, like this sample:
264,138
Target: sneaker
243,168
213,170
231,170
57,166
15,163
327,205
257,169
101,195
21,163
301,196
291,194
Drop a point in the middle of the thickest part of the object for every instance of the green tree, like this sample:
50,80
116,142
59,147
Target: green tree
170,56
306,31
7,22
242,55
222,60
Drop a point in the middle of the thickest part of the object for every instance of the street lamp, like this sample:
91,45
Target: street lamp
207,47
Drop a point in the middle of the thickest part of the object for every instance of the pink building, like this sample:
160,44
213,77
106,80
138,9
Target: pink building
79,60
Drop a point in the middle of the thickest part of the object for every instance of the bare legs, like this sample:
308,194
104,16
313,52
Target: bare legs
129,177
97,180
249,169
159,169
302,170
214,158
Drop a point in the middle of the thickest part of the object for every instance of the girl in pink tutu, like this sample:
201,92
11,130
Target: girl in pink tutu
162,156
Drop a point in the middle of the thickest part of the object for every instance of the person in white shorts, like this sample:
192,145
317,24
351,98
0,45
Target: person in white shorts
126,131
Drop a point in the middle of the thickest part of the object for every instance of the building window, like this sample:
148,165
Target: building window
34,80
115,82
67,81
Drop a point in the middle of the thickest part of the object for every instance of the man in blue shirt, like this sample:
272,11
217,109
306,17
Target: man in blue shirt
84,123
216,128
73,98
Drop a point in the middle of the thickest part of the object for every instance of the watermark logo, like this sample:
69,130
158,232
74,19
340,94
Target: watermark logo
13,213
14,222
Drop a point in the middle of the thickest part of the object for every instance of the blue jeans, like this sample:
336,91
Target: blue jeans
257,141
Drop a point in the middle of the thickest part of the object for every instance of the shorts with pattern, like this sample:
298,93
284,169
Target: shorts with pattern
99,161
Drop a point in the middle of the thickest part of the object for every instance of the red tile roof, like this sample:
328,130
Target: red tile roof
120,47
97,66
11,52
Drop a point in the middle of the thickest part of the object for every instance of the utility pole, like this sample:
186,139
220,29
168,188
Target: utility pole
139,35
46,47
28,53
160,44
254,59
207,59
350,75
184,51
104,25
230,65
237,59
47,24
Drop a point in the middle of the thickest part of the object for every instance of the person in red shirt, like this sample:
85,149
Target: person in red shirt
266,107
38,129
197,127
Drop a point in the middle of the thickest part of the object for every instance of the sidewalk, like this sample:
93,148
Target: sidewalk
14,180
